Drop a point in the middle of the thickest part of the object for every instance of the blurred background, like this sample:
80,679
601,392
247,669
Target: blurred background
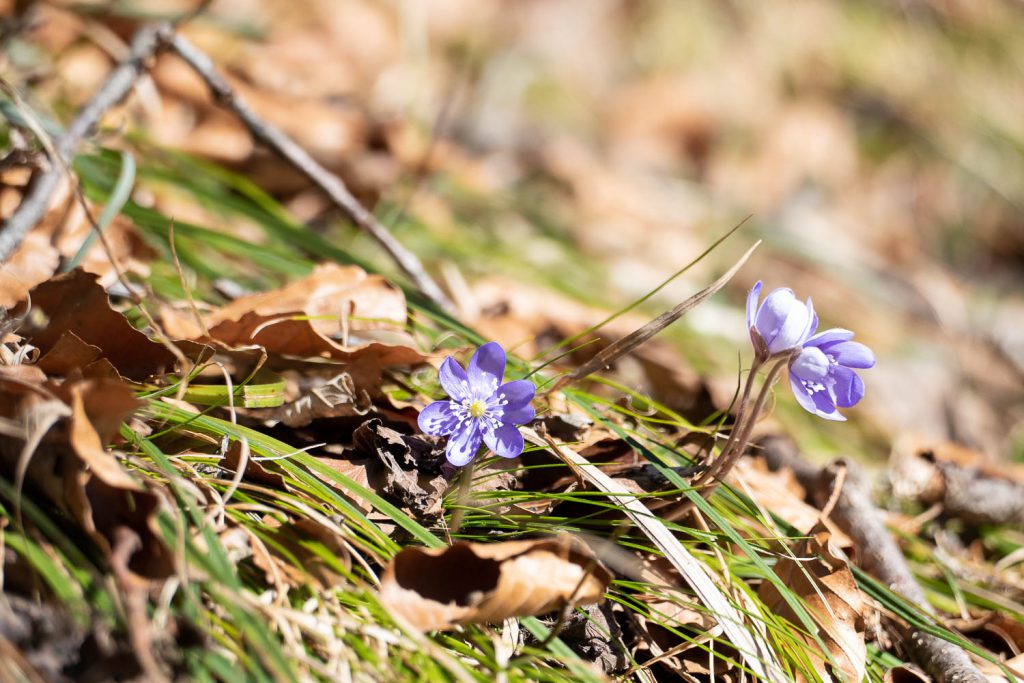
552,159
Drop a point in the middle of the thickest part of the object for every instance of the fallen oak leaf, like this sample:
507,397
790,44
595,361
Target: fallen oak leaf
479,583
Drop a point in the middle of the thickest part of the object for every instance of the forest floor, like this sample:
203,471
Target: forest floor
240,239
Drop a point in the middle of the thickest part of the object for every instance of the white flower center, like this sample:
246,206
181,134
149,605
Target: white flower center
477,408
485,410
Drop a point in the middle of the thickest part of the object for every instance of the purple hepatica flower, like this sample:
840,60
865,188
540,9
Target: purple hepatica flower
782,322
823,377
480,407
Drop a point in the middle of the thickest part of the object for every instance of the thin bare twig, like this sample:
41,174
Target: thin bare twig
117,86
329,183
624,345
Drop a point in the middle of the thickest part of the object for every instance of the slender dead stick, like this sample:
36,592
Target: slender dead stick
858,517
624,345
328,182
117,86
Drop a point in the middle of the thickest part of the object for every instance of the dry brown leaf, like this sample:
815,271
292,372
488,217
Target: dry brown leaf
69,425
479,583
780,493
60,233
818,574
337,313
254,471
404,469
292,558
33,262
995,673
75,303
339,293
356,470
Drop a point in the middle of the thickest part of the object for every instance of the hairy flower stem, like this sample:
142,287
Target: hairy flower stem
734,447
742,412
462,497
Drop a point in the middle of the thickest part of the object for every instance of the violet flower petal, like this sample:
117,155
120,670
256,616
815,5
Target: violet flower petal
773,314
817,402
812,323
454,380
516,393
848,387
505,440
487,368
520,415
438,419
464,443
793,330
829,336
850,354
811,365
752,297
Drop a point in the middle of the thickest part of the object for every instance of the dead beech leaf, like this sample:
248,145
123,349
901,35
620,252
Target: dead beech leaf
995,674
304,552
75,303
478,583
780,493
254,471
821,577
69,465
337,313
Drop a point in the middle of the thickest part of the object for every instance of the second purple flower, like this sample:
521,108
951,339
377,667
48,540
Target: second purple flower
480,408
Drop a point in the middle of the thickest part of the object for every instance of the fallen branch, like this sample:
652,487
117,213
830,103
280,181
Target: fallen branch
964,492
290,151
119,83
857,516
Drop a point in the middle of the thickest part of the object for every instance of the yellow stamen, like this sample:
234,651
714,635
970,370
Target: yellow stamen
477,408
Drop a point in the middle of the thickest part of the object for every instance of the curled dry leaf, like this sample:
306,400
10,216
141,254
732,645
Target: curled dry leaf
337,313
905,673
405,469
781,493
477,583
995,673
75,328
818,573
254,471
61,454
303,552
